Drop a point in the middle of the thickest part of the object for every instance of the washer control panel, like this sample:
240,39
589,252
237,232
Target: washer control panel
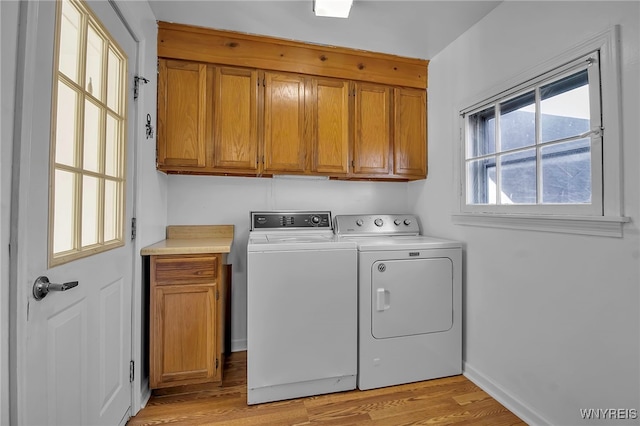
381,224
291,220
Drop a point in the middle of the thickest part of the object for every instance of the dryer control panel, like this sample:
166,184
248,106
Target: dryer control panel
291,220
377,224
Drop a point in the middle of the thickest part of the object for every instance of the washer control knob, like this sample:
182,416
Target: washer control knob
378,222
397,222
407,222
315,219
359,222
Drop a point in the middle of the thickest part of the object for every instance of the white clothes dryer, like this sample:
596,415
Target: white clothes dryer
409,300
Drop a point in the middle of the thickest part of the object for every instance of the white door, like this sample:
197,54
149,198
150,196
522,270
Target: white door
74,346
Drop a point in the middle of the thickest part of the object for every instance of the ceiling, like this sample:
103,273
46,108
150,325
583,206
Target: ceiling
418,29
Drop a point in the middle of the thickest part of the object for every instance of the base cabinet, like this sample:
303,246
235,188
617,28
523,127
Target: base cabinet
187,319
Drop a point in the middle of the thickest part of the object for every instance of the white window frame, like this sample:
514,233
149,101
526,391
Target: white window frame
605,219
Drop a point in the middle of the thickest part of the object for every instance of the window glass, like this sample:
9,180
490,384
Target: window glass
87,188
566,172
518,122
564,107
544,154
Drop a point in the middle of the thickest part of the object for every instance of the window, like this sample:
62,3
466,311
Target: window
544,152
539,148
88,138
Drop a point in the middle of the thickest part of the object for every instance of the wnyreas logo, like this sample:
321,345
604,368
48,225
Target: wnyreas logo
609,413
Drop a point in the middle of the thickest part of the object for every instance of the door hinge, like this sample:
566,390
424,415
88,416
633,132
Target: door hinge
133,228
132,370
216,363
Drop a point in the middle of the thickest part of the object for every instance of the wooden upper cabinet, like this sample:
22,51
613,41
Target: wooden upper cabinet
284,123
329,108
410,133
235,119
182,113
238,104
372,129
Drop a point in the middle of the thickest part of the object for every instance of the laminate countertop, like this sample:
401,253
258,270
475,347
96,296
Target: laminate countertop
193,239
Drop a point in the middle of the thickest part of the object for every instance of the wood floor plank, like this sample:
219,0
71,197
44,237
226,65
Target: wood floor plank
448,401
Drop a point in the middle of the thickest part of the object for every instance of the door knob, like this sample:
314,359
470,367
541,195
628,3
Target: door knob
42,287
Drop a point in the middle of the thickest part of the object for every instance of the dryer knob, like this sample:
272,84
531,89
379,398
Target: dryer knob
407,222
359,222
378,222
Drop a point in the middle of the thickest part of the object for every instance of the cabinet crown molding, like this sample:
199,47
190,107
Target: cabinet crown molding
186,42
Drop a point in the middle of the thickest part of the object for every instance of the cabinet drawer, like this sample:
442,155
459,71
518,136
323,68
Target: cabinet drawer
166,270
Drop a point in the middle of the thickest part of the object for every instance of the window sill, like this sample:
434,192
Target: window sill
608,226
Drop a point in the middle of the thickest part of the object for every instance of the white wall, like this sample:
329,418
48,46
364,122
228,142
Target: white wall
150,204
552,322
9,11
229,200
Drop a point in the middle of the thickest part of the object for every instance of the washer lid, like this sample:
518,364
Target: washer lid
419,242
291,241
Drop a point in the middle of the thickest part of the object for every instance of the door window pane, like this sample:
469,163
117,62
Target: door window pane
93,77
112,148
91,136
69,41
66,119
113,81
64,211
90,209
111,209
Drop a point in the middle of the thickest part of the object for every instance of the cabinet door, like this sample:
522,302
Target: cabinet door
182,113
329,107
284,133
372,133
235,119
183,328
410,133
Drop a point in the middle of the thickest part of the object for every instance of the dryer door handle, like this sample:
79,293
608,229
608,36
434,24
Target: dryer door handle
382,299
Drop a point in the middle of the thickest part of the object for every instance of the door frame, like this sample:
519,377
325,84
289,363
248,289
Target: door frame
18,292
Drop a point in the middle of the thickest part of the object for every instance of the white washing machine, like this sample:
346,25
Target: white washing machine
409,300
301,307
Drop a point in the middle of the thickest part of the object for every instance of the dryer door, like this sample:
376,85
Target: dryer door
410,297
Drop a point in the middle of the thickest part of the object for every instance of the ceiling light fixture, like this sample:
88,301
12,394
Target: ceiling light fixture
332,8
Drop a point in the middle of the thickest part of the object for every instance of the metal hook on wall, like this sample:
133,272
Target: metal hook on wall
136,85
149,127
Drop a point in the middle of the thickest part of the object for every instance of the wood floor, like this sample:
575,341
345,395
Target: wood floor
448,401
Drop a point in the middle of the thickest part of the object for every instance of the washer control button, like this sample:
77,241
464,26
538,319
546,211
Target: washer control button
407,222
397,222
315,219
359,222
378,222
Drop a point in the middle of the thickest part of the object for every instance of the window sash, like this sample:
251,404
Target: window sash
513,98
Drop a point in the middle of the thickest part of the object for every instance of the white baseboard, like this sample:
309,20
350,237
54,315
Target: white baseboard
498,393
239,345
